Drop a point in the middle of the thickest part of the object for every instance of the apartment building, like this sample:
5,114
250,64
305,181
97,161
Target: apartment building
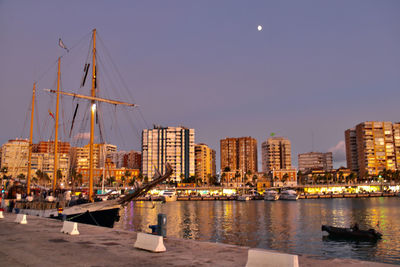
204,162
174,145
239,154
315,161
14,156
276,154
80,155
377,147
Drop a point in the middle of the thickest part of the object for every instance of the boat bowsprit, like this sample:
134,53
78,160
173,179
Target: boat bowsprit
352,233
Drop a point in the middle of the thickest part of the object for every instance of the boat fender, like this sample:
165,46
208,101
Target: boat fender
70,228
21,219
149,242
262,257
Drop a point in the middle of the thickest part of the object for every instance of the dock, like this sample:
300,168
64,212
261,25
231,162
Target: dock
40,243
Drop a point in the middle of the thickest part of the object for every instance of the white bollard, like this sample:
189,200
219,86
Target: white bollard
1,214
70,228
21,219
265,258
154,243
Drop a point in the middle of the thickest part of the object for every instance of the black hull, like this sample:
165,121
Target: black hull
104,218
350,234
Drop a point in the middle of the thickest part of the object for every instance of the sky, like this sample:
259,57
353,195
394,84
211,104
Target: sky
316,69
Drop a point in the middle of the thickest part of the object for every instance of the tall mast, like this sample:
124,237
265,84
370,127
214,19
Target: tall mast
93,110
28,178
56,130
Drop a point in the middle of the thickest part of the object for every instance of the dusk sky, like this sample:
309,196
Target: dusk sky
316,69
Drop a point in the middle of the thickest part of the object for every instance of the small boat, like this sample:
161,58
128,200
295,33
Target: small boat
352,233
271,195
168,196
288,195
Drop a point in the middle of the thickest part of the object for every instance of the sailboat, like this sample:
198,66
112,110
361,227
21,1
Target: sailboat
103,213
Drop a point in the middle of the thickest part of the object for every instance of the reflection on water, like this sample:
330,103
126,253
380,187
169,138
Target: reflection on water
289,226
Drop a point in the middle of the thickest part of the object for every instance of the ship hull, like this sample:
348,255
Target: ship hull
104,218
104,213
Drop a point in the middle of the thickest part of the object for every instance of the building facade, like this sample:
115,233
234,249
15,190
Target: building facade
80,155
351,149
239,154
133,160
377,147
315,161
14,157
204,162
174,145
276,154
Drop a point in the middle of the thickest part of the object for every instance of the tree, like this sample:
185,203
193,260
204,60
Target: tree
110,180
285,178
21,176
42,177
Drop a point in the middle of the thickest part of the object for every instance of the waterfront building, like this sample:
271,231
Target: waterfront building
133,160
284,177
377,146
174,145
107,172
45,163
204,163
351,149
239,154
80,155
315,161
276,154
14,157
48,147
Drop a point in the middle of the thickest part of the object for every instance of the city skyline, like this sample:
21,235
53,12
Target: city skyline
307,75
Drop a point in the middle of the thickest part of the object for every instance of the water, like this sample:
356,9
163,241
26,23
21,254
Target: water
287,226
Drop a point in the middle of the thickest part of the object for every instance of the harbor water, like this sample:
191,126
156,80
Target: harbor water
286,226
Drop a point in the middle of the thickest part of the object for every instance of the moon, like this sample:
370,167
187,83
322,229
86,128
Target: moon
259,28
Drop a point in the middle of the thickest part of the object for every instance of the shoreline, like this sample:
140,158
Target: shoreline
40,243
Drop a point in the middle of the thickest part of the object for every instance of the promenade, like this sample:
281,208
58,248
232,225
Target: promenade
40,243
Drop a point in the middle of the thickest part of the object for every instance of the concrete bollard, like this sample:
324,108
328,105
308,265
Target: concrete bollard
70,228
265,258
153,243
21,219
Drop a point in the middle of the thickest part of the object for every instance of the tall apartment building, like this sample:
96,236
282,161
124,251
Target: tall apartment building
204,162
174,145
351,149
315,161
80,155
14,156
377,147
276,154
239,154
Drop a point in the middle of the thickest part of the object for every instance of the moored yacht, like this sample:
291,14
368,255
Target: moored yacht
288,195
168,195
271,195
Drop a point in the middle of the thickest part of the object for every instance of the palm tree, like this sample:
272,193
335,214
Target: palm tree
43,177
284,178
126,175
21,176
